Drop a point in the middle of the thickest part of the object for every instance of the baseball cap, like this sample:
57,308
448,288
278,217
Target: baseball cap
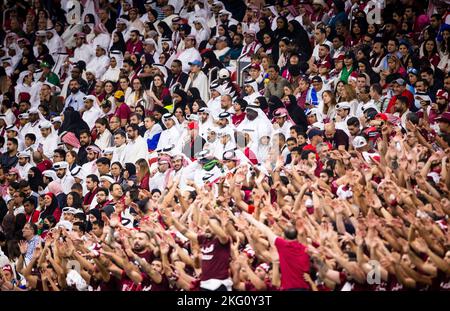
343,105
119,95
314,132
359,142
196,63
399,81
442,93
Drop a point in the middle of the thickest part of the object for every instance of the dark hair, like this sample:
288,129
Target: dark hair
29,200
61,152
31,136
403,99
81,226
14,141
353,121
94,177
290,233
275,67
76,187
135,127
104,161
376,87
77,200
105,190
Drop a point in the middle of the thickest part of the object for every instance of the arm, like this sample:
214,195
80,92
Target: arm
218,231
262,227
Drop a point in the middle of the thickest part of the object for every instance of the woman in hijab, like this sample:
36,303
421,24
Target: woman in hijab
274,104
264,27
300,37
27,58
35,179
296,113
44,56
211,61
50,207
268,44
73,122
118,43
282,29
56,189
164,30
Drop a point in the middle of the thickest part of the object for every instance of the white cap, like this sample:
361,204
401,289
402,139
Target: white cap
45,125
107,178
24,154
70,210
359,142
343,105
65,224
50,173
89,97
24,116
61,164
224,73
57,119
33,110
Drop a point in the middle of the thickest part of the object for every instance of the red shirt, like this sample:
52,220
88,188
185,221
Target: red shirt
215,258
44,165
294,262
123,111
134,48
34,218
391,104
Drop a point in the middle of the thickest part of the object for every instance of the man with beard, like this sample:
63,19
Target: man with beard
158,180
23,164
48,99
92,187
65,178
75,99
85,141
401,109
216,253
178,76
251,45
137,147
120,142
33,125
100,62
92,155
101,198
9,158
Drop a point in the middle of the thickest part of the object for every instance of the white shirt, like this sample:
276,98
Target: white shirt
118,154
158,181
66,182
90,116
83,53
201,83
170,137
189,55
23,170
135,150
103,141
98,65
49,144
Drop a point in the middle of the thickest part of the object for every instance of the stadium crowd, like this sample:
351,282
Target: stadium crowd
135,156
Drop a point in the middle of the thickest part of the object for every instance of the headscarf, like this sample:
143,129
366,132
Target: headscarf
119,45
167,32
49,210
300,37
36,180
73,122
262,31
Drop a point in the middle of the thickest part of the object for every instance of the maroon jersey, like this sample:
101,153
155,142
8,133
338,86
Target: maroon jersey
215,258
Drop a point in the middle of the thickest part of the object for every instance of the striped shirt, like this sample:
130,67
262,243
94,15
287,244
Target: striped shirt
31,247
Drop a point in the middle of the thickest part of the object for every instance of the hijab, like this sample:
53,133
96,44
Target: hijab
73,122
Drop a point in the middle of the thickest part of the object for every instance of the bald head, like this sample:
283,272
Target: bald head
330,130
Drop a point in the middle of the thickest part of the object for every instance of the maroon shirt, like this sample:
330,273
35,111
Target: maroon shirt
294,262
123,111
215,258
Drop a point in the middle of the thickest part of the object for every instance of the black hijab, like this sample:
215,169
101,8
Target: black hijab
36,180
167,32
296,112
119,45
262,31
300,38
73,122
49,210
282,32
